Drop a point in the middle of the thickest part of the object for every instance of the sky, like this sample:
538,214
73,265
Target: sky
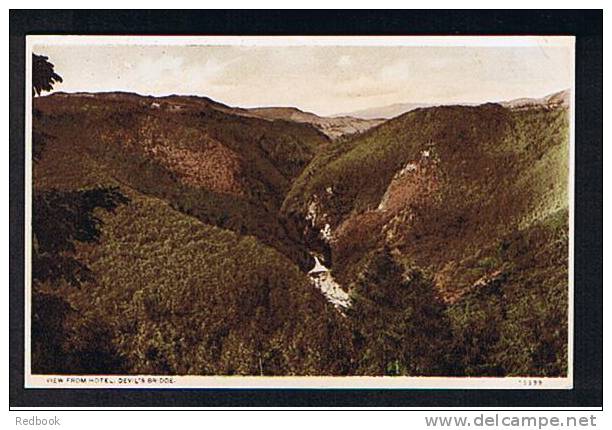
324,79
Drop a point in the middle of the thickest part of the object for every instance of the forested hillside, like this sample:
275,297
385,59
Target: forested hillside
174,235
189,269
475,196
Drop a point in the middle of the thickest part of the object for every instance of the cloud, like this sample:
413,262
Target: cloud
397,71
362,86
325,80
167,74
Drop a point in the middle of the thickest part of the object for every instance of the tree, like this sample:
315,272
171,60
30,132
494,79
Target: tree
59,220
43,79
400,324
43,74
62,340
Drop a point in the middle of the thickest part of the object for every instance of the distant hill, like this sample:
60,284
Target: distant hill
394,110
334,127
558,99
386,112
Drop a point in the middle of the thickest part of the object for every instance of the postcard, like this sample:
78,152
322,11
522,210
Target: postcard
299,212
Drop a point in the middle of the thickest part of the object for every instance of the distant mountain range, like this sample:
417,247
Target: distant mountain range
396,109
333,127
340,125
558,99
386,112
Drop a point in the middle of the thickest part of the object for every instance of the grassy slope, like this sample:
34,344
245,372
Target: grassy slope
516,325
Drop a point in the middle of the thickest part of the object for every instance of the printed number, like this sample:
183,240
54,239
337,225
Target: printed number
530,382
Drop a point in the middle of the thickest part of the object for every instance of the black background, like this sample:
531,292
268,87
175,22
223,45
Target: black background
585,25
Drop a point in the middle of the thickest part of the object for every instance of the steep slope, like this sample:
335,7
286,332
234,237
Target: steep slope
170,295
166,293
437,184
475,196
333,127
226,170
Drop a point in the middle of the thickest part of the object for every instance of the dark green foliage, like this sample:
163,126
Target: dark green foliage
517,325
476,323
43,74
535,332
49,313
59,220
175,295
500,174
492,179
39,137
182,297
400,324
256,216
62,217
63,342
